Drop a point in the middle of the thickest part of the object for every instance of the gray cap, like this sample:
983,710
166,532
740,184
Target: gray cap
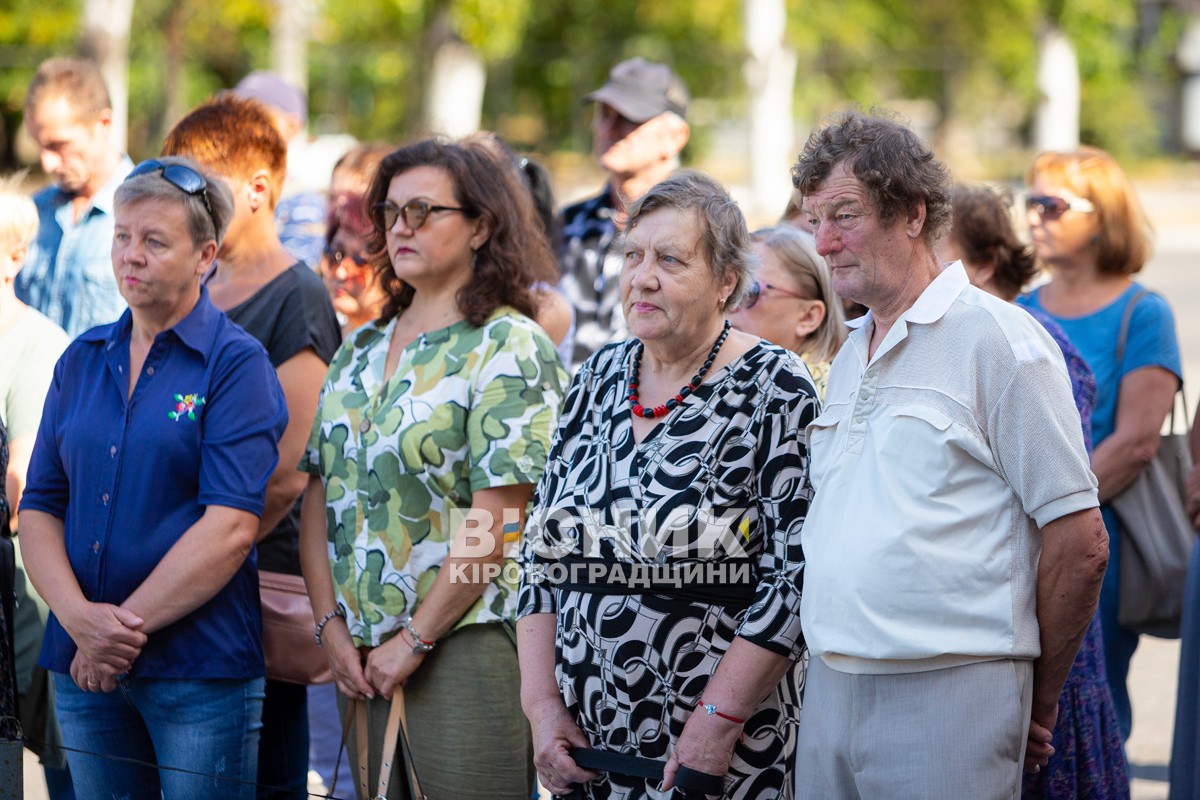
640,90
272,90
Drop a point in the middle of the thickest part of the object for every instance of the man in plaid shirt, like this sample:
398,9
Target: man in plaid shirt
638,130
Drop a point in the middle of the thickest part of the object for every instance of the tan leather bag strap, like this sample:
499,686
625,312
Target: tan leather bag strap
356,714
362,738
398,722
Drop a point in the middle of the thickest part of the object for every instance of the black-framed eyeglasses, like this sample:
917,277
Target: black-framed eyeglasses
182,177
336,255
1049,207
757,288
415,212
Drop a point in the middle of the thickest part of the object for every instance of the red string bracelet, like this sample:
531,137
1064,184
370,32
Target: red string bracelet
710,709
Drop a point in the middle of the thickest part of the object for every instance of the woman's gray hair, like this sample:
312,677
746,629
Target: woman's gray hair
153,186
797,253
724,237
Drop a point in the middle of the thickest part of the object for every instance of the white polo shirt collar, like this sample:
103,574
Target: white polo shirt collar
931,306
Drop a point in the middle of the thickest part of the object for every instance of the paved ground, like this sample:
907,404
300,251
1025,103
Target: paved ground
1174,207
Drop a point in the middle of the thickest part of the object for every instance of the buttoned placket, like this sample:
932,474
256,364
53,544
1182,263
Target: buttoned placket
117,357
65,255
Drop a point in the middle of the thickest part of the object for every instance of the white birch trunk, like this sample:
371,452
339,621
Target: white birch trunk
1188,59
454,99
1057,124
106,41
290,25
770,74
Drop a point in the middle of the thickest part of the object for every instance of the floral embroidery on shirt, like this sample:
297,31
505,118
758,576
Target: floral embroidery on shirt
185,406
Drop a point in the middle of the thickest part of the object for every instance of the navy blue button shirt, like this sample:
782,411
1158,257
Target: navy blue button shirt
129,475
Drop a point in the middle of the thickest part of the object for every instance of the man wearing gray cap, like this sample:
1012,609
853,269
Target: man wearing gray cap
638,131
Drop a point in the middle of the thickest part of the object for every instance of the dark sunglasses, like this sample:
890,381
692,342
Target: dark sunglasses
184,178
1049,207
335,256
756,290
415,212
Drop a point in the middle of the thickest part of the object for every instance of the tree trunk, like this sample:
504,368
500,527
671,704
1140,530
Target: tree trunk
290,26
455,81
1187,58
174,50
1057,123
106,41
770,74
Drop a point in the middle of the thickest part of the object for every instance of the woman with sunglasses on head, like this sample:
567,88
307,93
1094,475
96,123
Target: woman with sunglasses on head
1089,759
433,426
148,478
791,302
1090,232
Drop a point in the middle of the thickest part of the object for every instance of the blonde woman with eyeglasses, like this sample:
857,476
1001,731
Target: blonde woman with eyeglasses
791,302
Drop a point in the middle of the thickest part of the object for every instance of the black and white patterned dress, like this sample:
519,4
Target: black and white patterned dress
723,477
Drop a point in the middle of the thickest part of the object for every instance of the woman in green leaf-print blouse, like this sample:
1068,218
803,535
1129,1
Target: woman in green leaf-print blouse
433,427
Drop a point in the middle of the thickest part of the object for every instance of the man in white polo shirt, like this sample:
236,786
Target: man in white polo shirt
954,550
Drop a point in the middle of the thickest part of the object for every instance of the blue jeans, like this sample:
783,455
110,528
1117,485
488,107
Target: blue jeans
193,739
283,743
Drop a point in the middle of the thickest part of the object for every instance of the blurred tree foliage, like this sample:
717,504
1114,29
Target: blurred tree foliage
974,63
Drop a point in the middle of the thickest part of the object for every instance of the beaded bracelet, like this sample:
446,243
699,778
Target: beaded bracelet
337,612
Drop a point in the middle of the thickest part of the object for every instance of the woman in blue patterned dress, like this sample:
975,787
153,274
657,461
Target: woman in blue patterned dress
1089,761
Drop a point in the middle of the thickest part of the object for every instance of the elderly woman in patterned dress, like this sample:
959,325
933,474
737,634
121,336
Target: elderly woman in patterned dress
433,427
661,568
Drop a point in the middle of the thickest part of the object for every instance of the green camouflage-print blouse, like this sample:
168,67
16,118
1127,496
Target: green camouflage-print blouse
467,409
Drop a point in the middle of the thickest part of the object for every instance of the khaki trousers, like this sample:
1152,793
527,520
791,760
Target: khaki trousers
469,737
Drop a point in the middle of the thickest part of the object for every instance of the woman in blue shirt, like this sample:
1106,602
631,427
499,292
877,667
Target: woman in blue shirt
157,438
1090,232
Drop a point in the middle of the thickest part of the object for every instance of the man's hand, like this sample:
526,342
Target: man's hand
1039,748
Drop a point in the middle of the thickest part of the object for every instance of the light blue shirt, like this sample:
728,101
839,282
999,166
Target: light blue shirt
68,275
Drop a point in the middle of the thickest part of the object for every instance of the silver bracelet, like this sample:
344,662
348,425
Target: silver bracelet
337,612
420,646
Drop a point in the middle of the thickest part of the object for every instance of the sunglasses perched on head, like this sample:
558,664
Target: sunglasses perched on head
183,178
415,212
758,288
1049,207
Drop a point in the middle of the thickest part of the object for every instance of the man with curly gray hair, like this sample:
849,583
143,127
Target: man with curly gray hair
954,550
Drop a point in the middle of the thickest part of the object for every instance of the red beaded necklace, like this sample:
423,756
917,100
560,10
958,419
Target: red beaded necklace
692,385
